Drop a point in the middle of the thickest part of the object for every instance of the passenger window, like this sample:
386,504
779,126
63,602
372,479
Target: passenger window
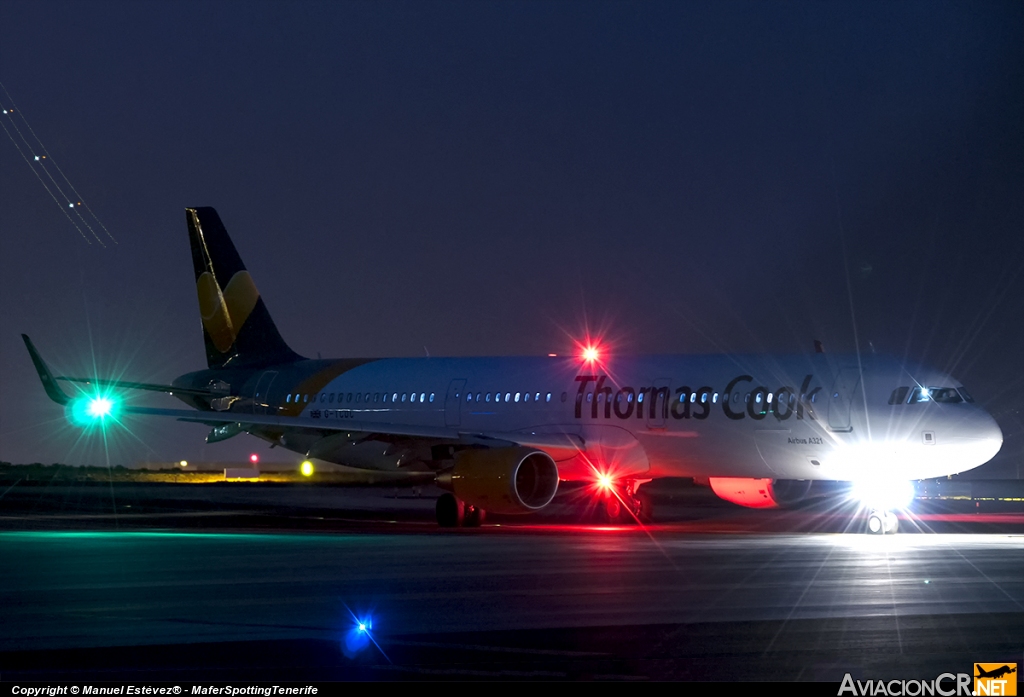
432,397
359,398
305,398
536,397
394,397
488,397
423,397
367,398
404,396
508,396
288,398
548,398
899,395
565,396
376,397
517,396
330,398
590,397
526,397
348,397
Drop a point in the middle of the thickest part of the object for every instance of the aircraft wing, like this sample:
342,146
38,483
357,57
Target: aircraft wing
54,391
149,386
545,441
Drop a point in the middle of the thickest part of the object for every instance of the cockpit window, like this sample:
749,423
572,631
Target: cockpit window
941,395
945,395
899,395
965,394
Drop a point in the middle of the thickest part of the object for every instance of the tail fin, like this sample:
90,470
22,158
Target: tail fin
237,328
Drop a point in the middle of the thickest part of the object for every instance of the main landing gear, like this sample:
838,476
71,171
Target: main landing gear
453,512
882,522
622,505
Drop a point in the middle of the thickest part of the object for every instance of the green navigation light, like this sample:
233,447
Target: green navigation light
96,410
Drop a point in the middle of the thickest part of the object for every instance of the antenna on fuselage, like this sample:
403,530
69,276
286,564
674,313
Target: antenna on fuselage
818,346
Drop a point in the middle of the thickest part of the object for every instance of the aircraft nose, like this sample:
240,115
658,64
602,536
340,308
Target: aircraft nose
987,435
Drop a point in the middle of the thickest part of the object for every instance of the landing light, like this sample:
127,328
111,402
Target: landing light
883,494
590,354
604,481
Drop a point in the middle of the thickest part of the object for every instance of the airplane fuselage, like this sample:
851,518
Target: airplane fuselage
815,417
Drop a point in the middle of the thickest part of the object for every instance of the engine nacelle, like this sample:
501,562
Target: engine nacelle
503,480
772,493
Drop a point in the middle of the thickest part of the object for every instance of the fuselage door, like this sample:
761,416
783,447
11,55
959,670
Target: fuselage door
260,403
453,403
841,397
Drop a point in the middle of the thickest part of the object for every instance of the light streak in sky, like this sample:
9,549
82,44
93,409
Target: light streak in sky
42,161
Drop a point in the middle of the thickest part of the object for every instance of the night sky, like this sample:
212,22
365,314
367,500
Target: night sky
494,178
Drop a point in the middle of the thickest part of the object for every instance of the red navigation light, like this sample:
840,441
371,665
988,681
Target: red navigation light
254,458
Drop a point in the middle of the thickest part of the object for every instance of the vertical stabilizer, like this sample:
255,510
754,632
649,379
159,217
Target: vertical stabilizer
237,329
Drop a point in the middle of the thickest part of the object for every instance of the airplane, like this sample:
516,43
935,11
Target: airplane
503,434
996,672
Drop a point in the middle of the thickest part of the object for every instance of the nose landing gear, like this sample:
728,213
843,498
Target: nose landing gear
882,522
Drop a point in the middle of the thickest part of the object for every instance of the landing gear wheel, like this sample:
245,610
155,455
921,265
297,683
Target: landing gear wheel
451,512
612,511
645,509
883,523
475,517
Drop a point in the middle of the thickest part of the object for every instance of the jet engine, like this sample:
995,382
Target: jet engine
503,480
772,493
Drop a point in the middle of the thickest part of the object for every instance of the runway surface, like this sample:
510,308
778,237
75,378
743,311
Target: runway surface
511,601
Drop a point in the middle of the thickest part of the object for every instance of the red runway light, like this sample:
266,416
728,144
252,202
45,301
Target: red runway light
254,458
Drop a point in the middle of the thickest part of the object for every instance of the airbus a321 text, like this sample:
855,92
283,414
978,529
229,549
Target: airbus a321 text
502,434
